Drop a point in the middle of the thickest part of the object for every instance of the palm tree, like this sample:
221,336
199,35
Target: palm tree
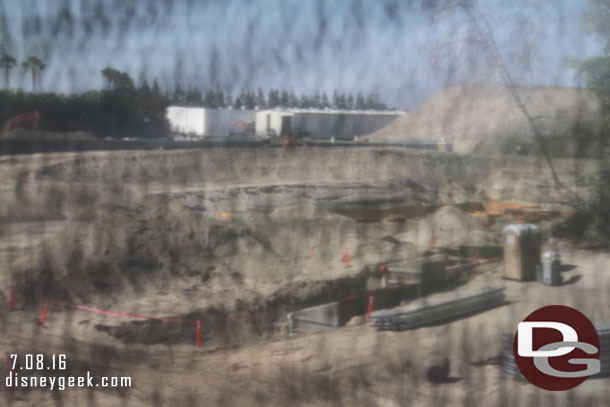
111,75
35,64
7,62
118,80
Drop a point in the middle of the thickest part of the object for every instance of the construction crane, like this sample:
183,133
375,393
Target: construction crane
34,117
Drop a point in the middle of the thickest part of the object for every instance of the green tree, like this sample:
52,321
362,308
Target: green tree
596,71
158,101
293,100
349,102
304,102
324,103
341,103
155,88
7,62
369,103
110,74
124,82
249,100
284,99
273,100
210,99
193,97
178,95
596,21
35,65
316,101
118,80
373,103
360,104
219,97
260,98
229,99
239,101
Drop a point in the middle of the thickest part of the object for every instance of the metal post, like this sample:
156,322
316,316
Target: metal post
290,324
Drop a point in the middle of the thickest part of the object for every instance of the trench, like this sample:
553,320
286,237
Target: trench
265,319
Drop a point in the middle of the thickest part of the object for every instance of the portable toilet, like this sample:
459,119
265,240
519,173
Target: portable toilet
521,251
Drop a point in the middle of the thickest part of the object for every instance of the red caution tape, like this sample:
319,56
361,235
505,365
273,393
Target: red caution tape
250,315
346,258
369,310
198,335
45,310
11,299
43,315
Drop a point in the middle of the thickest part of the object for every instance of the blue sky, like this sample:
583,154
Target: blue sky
387,46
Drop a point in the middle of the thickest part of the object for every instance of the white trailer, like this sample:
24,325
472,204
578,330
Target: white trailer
205,122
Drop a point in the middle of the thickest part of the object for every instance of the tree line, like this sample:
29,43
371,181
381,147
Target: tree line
275,98
216,98
123,109
592,224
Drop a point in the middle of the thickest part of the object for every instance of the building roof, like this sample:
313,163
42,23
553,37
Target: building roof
335,111
209,108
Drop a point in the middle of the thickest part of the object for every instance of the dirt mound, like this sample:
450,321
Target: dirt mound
447,227
127,250
485,119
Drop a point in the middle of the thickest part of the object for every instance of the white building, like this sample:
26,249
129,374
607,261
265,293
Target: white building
204,122
322,124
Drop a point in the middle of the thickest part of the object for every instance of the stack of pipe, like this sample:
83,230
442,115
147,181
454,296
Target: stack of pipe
423,313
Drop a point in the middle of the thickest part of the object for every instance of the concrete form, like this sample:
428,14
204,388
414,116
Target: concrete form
320,318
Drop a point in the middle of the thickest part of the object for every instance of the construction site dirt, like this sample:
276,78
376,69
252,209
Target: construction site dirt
138,257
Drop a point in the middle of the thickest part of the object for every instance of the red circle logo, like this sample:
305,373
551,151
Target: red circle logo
556,348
